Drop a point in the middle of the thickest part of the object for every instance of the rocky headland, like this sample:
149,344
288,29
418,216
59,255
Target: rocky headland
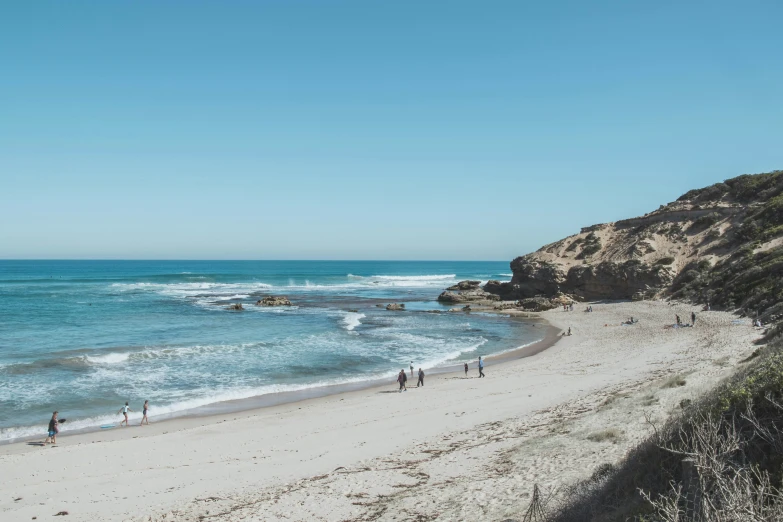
720,246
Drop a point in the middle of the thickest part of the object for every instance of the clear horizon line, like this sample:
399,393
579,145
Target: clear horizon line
334,260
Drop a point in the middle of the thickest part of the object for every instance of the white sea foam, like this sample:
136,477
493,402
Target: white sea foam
109,358
352,320
203,397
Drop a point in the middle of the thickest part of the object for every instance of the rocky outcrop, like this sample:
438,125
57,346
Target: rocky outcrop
533,277
273,300
609,280
538,304
465,285
236,306
468,296
398,307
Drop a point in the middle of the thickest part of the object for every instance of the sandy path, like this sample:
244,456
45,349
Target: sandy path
456,449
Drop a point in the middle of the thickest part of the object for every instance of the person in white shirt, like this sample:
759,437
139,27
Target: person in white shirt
124,410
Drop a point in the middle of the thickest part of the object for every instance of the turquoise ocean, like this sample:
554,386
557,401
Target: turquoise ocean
83,337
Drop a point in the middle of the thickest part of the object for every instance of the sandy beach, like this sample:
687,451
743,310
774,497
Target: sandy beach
457,449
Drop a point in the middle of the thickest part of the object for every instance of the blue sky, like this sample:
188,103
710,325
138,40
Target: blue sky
367,129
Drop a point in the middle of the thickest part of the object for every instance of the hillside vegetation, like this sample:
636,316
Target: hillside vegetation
720,245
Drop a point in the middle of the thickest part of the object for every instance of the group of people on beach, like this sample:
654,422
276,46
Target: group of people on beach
125,409
54,422
402,377
679,321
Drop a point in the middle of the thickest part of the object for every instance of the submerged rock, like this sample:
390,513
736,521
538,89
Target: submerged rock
236,306
273,300
395,306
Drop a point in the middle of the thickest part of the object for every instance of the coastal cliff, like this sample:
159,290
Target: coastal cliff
721,245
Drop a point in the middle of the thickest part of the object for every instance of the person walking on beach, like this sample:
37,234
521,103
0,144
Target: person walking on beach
401,379
677,317
53,430
481,368
421,378
693,318
411,369
466,369
144,411
124,410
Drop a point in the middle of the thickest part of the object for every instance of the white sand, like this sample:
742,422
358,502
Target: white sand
459,448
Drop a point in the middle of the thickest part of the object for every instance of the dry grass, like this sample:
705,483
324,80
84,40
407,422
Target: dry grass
608,435
674,381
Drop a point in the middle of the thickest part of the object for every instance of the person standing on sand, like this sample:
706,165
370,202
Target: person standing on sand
144,411
466,369
411,368
421,378
677,317
481,367
693,318
53,430
124,410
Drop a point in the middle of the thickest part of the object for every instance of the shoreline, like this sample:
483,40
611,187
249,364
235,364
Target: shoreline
461,448
250,405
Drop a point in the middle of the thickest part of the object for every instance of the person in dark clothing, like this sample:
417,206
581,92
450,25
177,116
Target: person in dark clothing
466,369
481,368
693,317
52,430
677,317
404,381
421,378
401,379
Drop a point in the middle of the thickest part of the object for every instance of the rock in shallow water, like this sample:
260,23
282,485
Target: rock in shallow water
273,300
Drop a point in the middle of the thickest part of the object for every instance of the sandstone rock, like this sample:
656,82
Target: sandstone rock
610,280
538,304
505,290
465,285
235,306
533,277
467,296
273,300
395,307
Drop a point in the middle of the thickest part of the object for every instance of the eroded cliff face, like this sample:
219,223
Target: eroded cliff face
690,248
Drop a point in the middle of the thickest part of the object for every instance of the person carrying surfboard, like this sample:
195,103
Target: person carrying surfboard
124,410
53,430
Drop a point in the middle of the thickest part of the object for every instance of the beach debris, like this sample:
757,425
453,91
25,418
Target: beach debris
274,300
61,513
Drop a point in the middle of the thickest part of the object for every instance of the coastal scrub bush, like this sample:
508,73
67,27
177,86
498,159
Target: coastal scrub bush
705,221
665,261
591,245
